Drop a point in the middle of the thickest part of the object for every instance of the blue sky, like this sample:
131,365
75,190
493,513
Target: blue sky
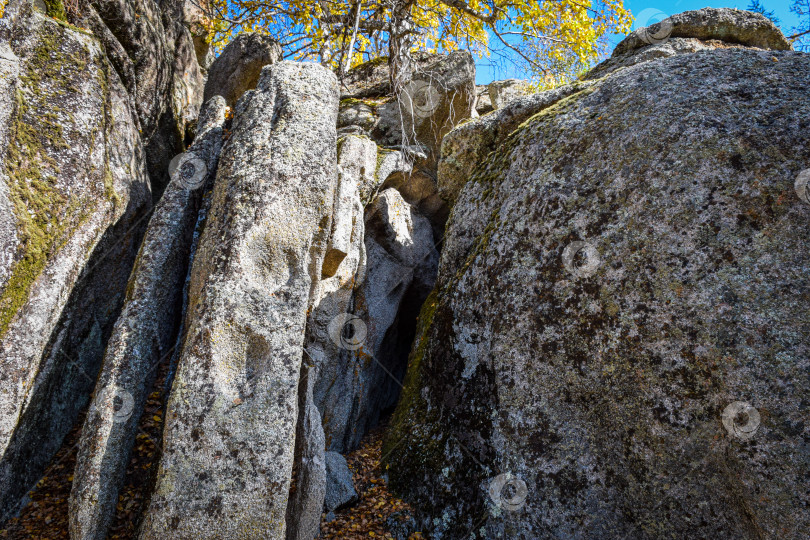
486,71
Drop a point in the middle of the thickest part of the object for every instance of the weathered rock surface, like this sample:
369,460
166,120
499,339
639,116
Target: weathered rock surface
339,484
311,483
345,255
231,419
614,347
144,335
690,32
502,92
74,190
483,103
187,84
358,158
369,79
559,389
325,346
440,94
236,70
378,117
467,146
147,45
361,372
196,20
417,185
9,72
391,162
664,49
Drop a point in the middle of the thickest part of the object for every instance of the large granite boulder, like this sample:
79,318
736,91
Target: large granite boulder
707,29
693,31
231,419
236,70
726,25
73,194
144,335
616,346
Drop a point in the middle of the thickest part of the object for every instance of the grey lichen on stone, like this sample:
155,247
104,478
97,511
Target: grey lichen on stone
231,419
77,185
604,394
144,336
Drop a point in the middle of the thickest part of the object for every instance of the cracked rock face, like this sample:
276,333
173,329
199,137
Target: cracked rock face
149,48
311,483
144,336
361,377
231,419
616,344
75,237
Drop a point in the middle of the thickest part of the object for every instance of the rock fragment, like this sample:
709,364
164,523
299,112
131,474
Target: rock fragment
236,70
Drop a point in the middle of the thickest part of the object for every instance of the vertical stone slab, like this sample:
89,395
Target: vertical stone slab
307,497
74,192
231,420
144,334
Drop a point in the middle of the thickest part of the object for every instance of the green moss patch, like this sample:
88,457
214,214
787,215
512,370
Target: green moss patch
45,215
55,9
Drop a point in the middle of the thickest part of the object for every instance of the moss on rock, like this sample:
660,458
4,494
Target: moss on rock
55,9
45,214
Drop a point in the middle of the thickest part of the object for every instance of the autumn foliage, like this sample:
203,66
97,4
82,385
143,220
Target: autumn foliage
551,39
